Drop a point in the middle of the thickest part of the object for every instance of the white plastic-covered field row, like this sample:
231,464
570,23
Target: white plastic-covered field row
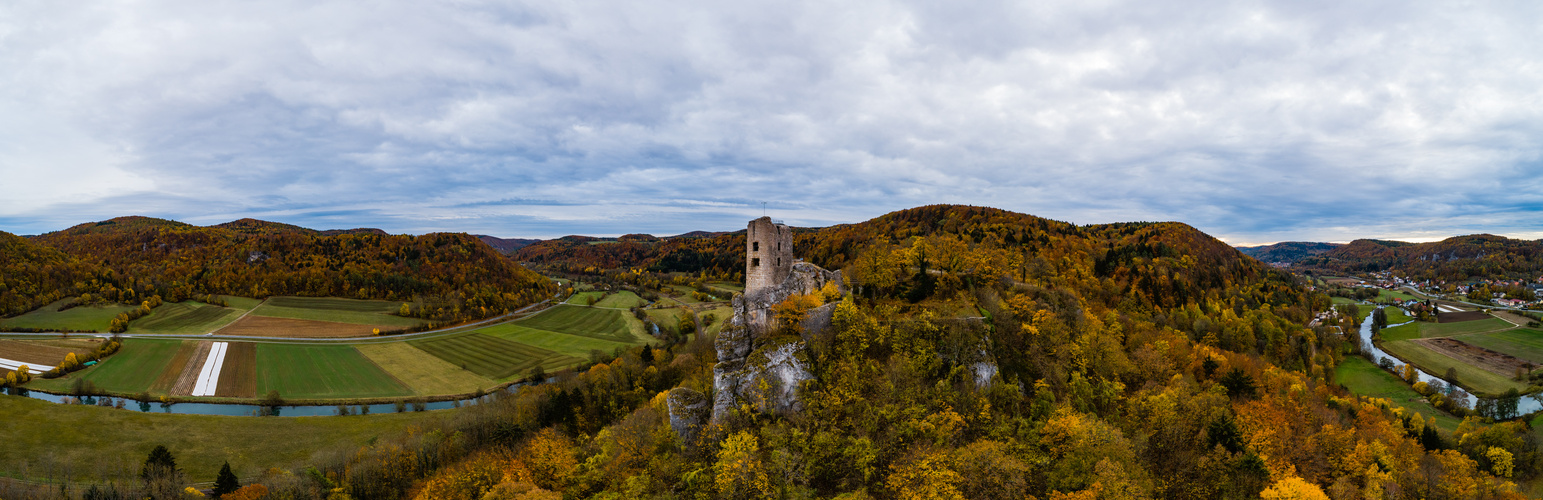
209,377
7,365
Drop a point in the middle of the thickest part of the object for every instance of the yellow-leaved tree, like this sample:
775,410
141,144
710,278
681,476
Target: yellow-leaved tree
1293,488
739,472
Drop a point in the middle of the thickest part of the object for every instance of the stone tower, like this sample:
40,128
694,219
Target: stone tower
768,254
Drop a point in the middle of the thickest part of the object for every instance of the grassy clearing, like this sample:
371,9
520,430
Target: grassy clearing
1477,379
725,285
1396,315
337,310
492,357
1520,342
1342,300
1364,378
134,368
85,318
602,324
1390,295
721,316
322,372
186,317
425,374
104,441
572,345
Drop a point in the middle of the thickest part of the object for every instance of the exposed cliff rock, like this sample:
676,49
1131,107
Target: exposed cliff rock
759,370
688,413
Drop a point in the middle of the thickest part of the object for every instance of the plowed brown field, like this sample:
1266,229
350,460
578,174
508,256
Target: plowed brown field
263,326
238,376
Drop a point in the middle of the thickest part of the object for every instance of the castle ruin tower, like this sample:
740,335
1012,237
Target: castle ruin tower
768,254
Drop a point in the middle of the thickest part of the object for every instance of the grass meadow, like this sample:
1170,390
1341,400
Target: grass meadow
495,358
562,343
186,317
135,368
1523,343
84,318
1479,380
96,440
422,372
602,324
621,300
321,372
1366,379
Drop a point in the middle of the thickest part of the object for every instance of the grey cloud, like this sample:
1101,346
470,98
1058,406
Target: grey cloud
1251,120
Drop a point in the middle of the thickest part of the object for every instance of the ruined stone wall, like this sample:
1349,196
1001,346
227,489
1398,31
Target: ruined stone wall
768,254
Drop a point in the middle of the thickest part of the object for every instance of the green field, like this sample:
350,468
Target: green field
1478,380
492,357
603,324
358,312
85,318
562,343
186,317
1396,315
621,300
583,298
1406,332
322,371
1390,295
1366,379
97,441
133,369
1523,343
1463,328
421,371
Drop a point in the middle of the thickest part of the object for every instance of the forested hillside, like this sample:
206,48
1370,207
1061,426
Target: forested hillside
130,258
32,275
1452,259
1288,251
1126,361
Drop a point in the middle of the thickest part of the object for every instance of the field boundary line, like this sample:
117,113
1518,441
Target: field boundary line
238,318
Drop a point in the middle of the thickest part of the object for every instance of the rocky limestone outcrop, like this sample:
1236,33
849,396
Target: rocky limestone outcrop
688,413
754,368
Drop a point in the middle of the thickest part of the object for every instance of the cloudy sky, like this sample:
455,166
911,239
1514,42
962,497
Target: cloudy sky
1256,122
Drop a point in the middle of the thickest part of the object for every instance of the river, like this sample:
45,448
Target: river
252,410
1526,404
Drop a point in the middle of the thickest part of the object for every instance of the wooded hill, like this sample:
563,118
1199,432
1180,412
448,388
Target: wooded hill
1140,360
1453,259
131,258
1288,251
